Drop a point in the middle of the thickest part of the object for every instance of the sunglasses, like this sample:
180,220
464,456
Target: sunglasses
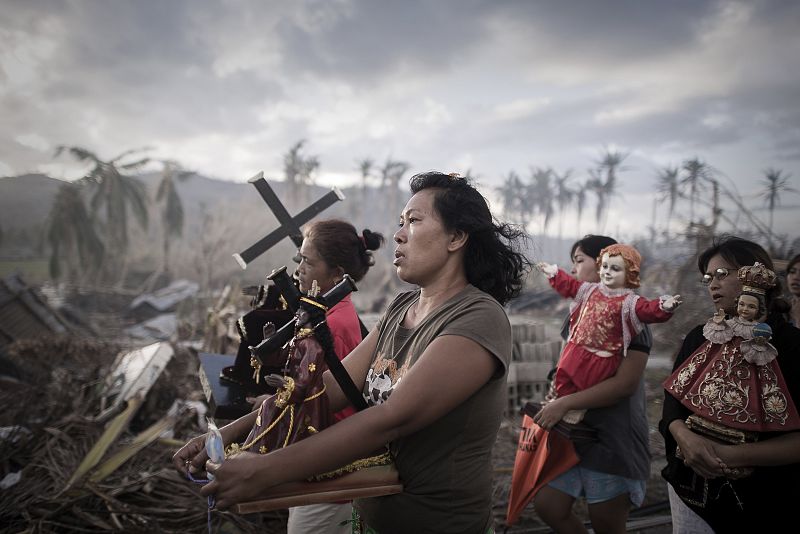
720,274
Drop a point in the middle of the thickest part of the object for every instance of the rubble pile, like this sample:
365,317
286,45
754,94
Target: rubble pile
63,468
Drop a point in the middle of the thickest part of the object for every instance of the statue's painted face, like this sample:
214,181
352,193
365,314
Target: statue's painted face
747,307
612,271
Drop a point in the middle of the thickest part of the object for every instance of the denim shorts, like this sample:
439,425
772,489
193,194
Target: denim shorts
598,487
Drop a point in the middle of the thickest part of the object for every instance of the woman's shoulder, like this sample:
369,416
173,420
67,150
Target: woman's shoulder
342,315
786,330
475,300
402,298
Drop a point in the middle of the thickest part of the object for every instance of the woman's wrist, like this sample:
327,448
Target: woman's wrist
678,428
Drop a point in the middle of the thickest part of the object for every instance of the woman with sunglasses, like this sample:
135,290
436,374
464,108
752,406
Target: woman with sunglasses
765,498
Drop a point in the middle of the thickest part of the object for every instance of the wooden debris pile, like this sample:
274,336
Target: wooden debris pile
63,469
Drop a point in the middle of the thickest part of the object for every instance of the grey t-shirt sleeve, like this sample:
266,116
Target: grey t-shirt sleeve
486,323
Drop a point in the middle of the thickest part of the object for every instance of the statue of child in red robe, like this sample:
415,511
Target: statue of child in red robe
604,317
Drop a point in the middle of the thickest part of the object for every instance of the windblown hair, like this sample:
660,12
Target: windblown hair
740,252
493,261
339,245
633,262
591,245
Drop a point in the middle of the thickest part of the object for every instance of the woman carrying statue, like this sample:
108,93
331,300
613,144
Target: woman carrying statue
433,373
730,423
330,249
613,470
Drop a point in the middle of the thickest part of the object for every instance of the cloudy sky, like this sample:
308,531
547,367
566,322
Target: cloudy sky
226,87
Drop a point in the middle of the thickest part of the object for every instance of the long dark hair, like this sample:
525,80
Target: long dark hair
493,261
740,253
339,245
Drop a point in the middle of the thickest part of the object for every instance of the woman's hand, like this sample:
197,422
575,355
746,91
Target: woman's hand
699,453
552,412
236,480
191,457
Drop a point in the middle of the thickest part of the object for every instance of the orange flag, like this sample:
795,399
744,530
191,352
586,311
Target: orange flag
541,457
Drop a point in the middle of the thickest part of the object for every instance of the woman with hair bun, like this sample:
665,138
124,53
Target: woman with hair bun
332,248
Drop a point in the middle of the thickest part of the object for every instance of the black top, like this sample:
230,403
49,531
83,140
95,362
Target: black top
771,493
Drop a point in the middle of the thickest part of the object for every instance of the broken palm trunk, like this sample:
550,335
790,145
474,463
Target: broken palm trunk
127,385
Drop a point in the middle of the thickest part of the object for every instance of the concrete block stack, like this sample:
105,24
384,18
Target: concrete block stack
533,357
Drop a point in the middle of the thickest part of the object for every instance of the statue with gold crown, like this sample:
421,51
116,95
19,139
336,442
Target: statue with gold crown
732,383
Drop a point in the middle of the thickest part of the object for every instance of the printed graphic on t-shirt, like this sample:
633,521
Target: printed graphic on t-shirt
382,378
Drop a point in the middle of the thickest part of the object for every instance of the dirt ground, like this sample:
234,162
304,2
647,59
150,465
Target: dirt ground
651,518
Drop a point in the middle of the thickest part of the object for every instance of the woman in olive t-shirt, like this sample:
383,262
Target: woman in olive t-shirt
448,245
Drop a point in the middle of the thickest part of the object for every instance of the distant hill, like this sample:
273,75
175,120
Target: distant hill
25,200
221,218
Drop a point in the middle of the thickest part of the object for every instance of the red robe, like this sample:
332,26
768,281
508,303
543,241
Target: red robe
718,383
602,323
298,410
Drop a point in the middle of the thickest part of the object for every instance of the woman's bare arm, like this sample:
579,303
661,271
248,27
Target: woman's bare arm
419,399
780,450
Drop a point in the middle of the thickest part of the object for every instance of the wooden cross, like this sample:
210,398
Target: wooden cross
289,226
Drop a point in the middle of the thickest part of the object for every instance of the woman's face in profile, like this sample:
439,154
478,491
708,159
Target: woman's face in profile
584,267
313,267
421,241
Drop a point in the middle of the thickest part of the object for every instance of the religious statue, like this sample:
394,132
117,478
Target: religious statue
732,383
299,407
604,317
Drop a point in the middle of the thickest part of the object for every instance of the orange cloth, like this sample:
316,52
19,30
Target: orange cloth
541,457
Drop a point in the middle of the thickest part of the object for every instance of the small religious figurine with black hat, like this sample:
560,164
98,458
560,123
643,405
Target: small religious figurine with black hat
604,317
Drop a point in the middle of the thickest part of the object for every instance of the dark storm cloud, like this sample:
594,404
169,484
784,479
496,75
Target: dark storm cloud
380,37
613,29
255,76
141,62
